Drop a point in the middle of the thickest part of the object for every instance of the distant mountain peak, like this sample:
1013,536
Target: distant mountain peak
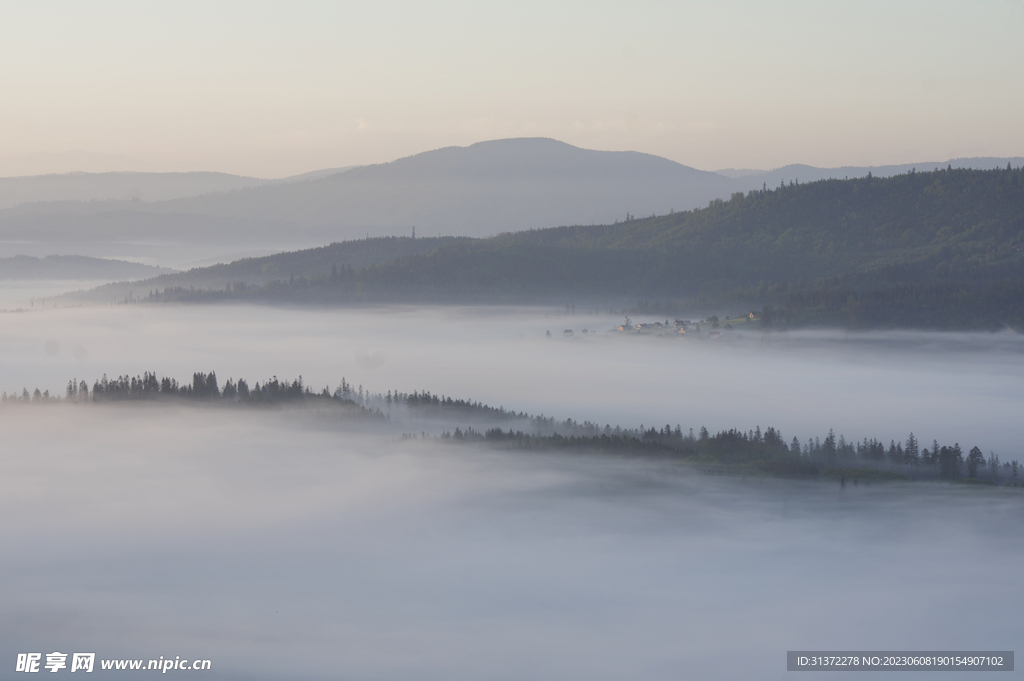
535,157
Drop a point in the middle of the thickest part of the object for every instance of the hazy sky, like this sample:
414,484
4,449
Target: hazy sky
276,88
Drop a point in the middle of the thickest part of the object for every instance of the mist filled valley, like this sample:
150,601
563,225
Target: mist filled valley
284,538
952,386
515,341
301,553
691,441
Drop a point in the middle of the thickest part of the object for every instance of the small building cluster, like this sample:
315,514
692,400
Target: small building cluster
682,327
678,327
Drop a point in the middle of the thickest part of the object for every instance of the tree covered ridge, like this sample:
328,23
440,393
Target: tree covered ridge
942,249
831,219
930,226
751,451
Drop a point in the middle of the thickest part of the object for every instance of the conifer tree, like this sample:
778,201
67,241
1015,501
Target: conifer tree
975,459
911,456
894,457
830,449
993,463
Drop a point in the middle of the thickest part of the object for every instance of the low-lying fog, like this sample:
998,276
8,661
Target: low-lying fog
280,544
28,294
962,388
282,547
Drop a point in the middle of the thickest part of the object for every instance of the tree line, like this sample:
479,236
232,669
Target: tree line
203,388
754,450
768,452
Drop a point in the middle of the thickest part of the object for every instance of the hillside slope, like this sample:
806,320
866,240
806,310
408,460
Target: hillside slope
944,242
337,257
828,228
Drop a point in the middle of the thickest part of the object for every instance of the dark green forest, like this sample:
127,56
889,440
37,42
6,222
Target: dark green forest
732,451
942,249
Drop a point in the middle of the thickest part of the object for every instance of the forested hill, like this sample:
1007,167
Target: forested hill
830,227
940,238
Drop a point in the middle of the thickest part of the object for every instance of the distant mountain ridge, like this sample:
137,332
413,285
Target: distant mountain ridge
484,189
476,190
479,190
74,267
132,186
117,186
798,172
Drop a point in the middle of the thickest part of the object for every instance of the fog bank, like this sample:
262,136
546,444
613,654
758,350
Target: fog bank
945,386
283,549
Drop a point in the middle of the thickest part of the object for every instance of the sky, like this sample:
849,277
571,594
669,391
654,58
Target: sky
273,89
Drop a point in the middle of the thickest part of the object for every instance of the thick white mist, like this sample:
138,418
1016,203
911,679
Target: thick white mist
284,546
950,387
